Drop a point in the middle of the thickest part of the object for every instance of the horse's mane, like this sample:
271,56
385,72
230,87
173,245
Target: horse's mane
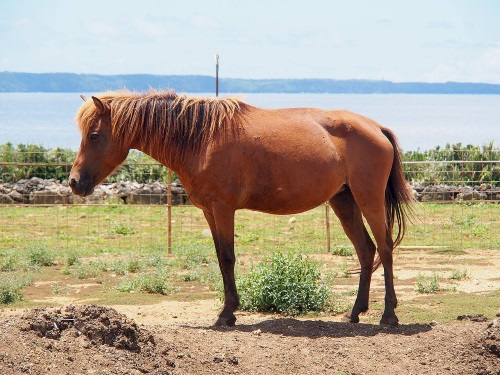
159,117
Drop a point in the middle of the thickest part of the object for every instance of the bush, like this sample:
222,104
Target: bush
11,288
286,284
40,256
479,169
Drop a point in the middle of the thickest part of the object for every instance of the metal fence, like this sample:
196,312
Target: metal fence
36,204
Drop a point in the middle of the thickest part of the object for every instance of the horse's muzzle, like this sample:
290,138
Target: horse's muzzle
81,187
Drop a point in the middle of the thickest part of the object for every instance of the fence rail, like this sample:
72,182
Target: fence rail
33,189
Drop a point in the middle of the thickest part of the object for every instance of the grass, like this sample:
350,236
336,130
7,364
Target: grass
119,252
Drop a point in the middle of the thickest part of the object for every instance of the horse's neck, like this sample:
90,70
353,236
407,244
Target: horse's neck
168,154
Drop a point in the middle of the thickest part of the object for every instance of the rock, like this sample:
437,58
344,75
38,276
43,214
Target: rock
6,199
232,360
292,220
417,187
17,197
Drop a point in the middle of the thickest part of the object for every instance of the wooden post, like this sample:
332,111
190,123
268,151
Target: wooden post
327,221
216,75
169,211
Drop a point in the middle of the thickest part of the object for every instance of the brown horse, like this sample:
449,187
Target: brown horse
230,155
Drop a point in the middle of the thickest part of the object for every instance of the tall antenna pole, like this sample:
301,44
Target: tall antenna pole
217,75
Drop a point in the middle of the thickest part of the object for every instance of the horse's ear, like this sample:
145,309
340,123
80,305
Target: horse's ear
83,98
103,108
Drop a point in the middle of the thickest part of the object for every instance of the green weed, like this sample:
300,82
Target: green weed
286,284
57,289
343,251
459,275
156,283
427,284
72,258
11,287
122,229
40,256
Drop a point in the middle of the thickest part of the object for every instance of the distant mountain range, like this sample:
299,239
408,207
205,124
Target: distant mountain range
69,82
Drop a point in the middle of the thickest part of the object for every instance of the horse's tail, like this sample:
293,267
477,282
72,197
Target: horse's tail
399,199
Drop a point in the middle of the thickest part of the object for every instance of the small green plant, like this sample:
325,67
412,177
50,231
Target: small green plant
459,275
286,284
40,256
427,284
57,289
343,251
86,271
196,259
11,263
119,267
189,277
133,265
122,229
156,283
11,288
72,258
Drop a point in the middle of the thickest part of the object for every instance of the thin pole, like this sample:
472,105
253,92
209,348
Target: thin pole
216,75
169,211
327,221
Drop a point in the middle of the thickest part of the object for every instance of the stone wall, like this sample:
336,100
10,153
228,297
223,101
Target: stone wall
40,191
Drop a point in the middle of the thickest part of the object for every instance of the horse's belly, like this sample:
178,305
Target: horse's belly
289,191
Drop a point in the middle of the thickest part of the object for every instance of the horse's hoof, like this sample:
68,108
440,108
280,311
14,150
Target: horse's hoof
389,320
350,319
223,321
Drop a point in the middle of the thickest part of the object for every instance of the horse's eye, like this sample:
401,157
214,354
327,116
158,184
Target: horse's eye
94,136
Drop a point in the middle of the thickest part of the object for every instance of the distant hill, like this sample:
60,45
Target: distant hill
69,82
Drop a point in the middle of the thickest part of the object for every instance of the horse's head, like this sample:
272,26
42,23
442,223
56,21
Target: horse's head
99,153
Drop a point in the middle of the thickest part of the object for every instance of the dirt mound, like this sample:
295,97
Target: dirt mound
95,339
491,341
101,325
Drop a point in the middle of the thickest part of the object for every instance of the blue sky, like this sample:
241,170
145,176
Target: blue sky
424,40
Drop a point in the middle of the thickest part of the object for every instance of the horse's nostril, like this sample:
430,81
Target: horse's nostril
72,182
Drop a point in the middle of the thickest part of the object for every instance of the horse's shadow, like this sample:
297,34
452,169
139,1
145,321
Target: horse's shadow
317,328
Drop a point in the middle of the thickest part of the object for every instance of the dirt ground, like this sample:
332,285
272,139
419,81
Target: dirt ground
91,339
177,337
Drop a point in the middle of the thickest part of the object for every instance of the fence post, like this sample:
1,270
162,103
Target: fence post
217,75
169,211
327,222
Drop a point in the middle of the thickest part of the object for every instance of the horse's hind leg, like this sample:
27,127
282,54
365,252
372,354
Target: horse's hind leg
371,201
350,217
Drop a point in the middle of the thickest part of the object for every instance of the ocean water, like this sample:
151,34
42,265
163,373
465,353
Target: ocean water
420,121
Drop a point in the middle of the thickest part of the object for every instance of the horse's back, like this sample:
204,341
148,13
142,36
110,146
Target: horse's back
289,160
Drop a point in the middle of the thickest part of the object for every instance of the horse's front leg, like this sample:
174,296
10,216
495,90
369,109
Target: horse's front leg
221,224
